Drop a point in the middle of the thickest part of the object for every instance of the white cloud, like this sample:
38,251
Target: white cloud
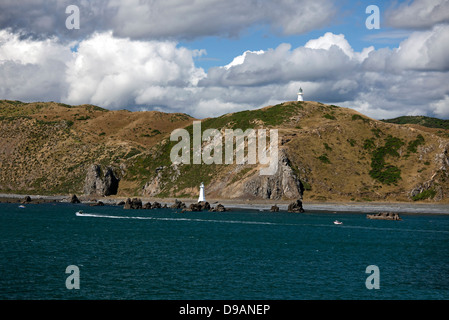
187,19
114,72
425,50
31,69
419,14
441,107
123,73
380,83
162,19
241,58
282,65
28,51
329,39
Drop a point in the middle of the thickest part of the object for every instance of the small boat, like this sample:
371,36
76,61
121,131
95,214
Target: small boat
338,222
22,206
79,213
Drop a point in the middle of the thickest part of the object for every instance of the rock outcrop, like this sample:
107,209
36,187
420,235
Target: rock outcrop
274,208
384,216
99,184
283,184
196,207
295,207
178,205
437,180
149,205
204,205
74,199
135,203
219,208
156,205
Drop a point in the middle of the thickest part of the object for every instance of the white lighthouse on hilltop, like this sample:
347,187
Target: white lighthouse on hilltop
300,95
201,197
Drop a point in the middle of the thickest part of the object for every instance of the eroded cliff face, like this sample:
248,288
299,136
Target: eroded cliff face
284,184
437,187
101,184
155,185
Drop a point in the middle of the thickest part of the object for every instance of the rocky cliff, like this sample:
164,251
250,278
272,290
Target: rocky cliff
436,186
284,184
101,184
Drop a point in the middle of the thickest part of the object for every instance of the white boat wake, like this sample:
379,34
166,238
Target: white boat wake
172,219
82,214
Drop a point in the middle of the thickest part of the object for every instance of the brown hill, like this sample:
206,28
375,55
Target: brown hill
47,148
329,152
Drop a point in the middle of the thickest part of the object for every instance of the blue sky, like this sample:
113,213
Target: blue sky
349,21
175,55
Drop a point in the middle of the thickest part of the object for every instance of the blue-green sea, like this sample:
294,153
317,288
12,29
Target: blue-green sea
164,254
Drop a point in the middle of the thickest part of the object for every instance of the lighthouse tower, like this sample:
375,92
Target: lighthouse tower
300,95
201,197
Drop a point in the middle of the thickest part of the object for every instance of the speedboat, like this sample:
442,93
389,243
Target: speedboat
338,222
79,213
22,206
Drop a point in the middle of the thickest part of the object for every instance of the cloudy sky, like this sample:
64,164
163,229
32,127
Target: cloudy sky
210,57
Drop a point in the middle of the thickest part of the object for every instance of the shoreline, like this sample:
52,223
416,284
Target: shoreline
257,205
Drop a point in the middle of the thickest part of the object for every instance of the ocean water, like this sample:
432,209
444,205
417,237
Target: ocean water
167,255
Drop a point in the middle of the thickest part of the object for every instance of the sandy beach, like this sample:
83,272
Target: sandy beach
258,205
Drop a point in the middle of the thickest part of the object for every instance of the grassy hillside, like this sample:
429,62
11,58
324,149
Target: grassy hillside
421,120
46,148
338,153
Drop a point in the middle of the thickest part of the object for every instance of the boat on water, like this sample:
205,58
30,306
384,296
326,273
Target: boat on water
338,222
79,213
22,206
